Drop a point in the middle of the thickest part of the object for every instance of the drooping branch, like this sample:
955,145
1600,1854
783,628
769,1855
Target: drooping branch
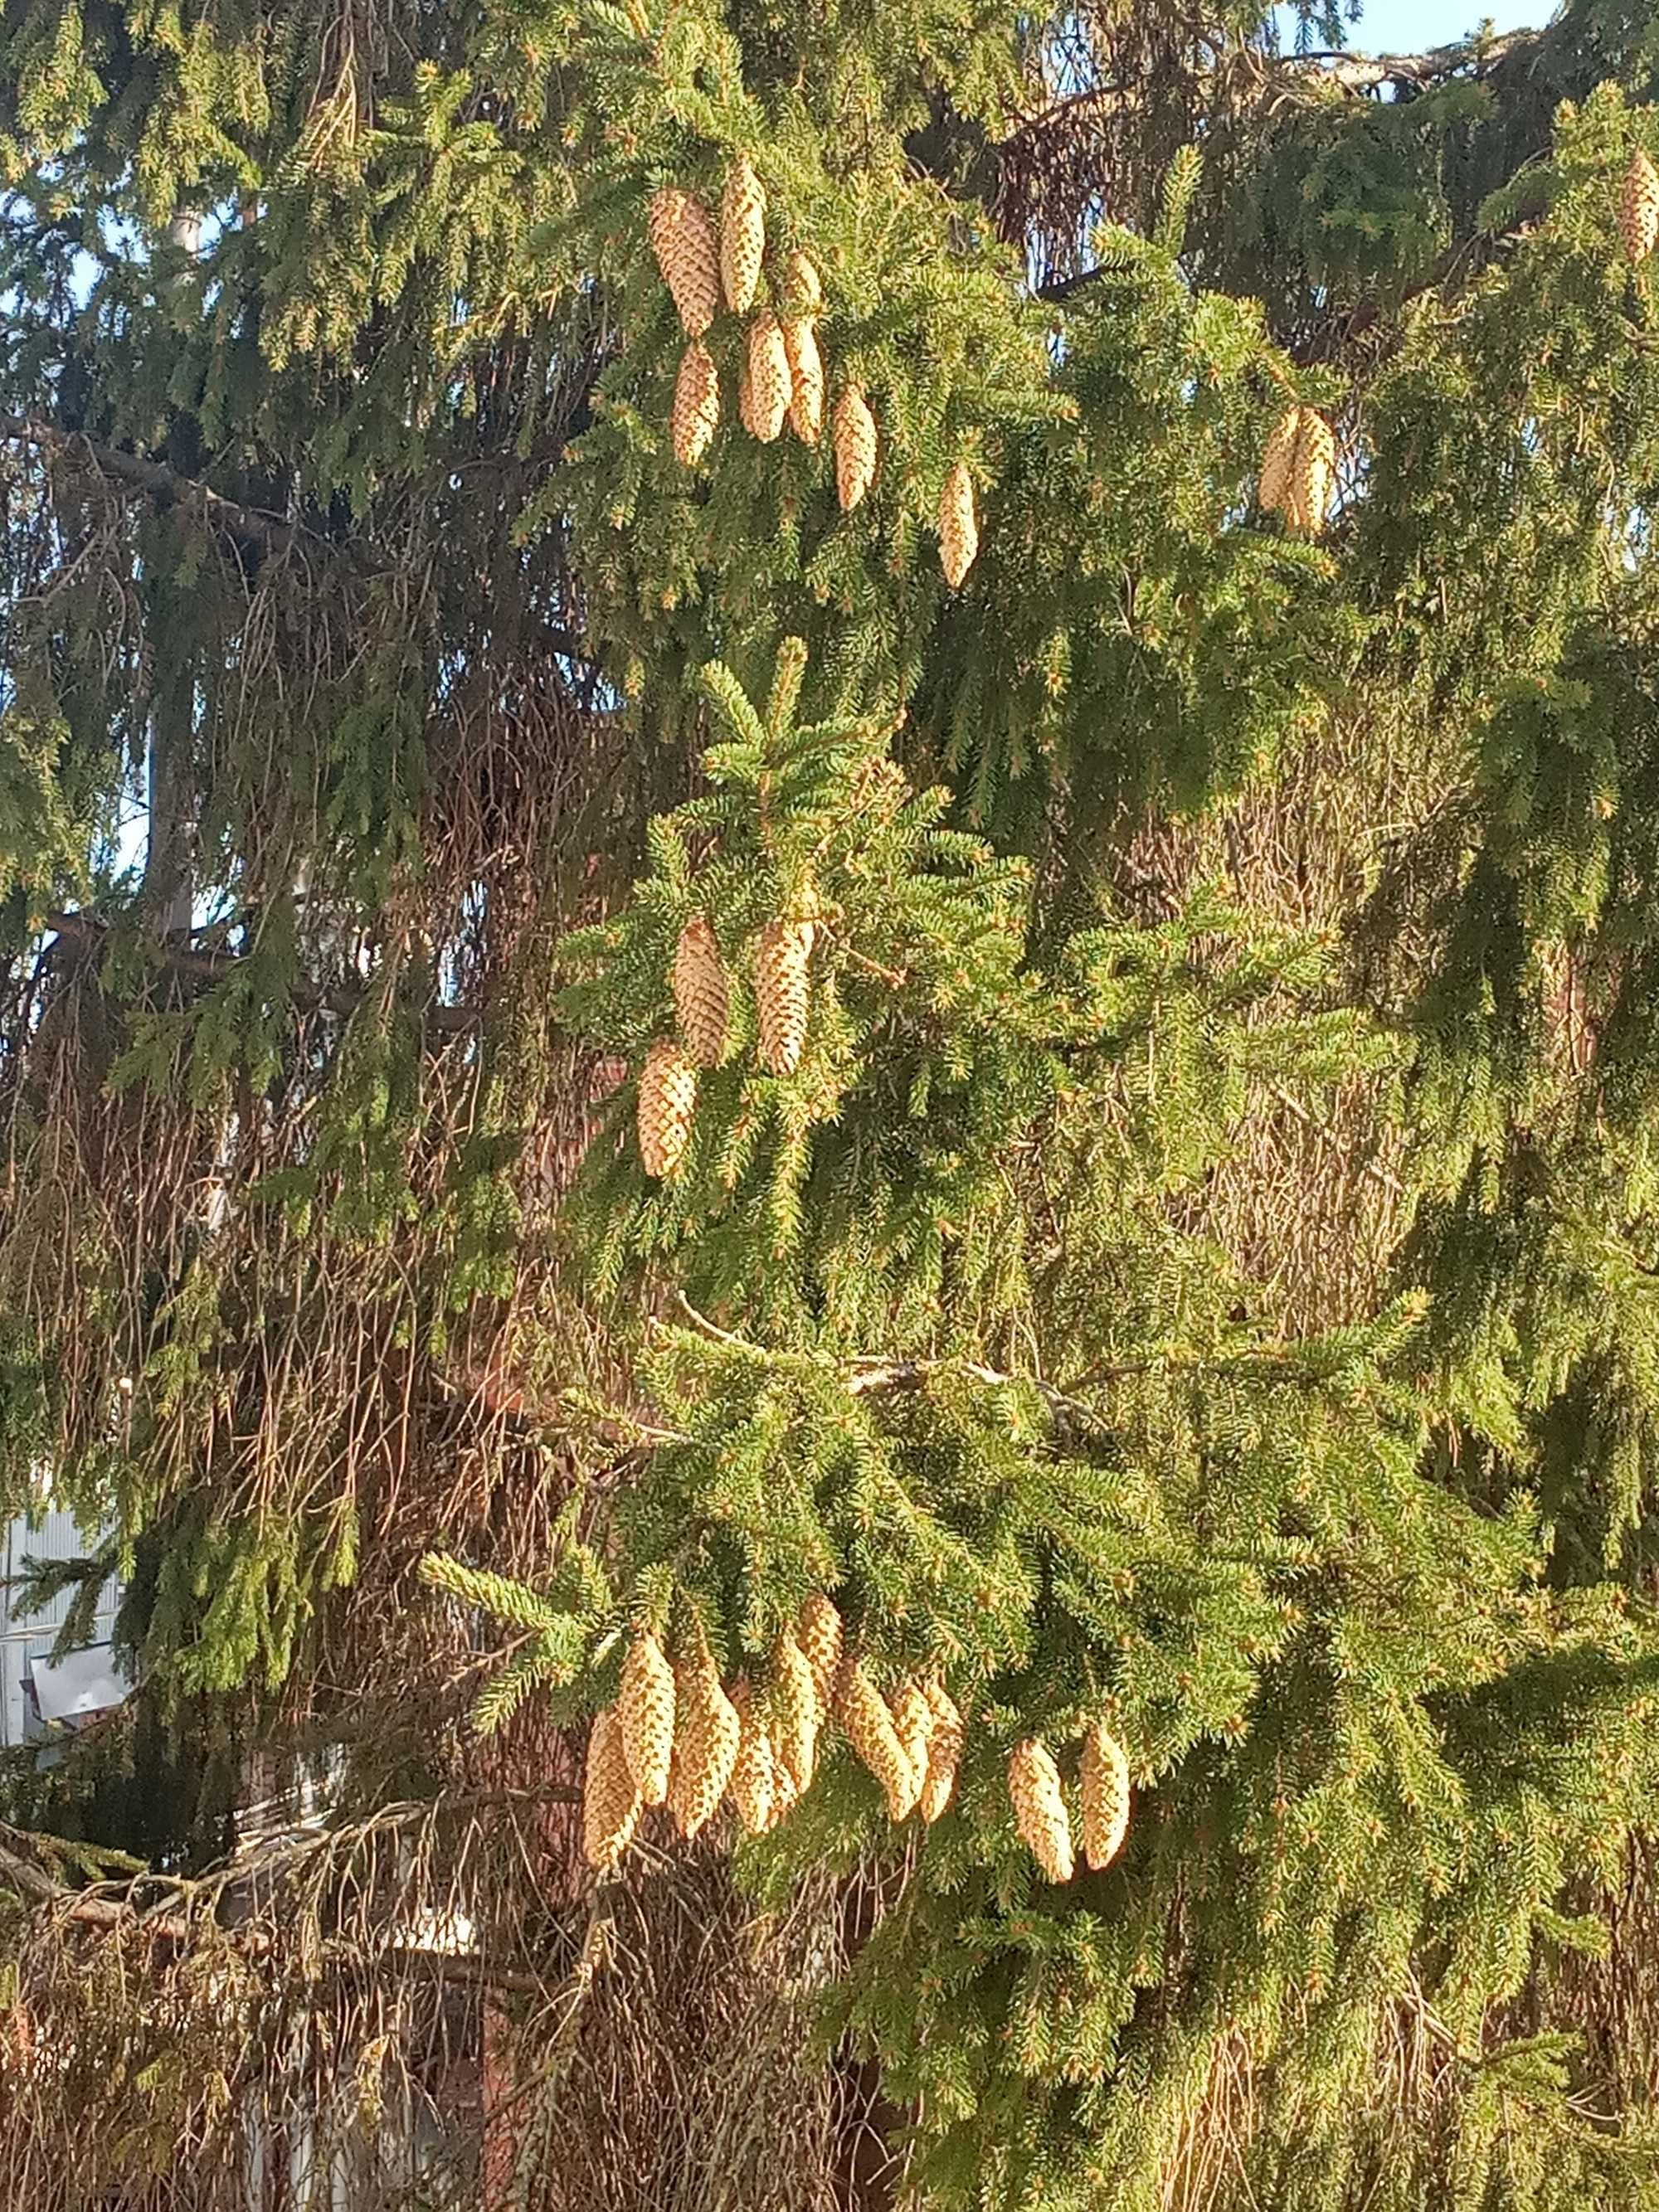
1243,79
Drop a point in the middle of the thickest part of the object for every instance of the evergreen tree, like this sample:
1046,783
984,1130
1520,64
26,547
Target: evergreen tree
825,865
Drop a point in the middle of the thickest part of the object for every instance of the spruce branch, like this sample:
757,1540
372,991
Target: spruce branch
867,1376
491,1593
1270,75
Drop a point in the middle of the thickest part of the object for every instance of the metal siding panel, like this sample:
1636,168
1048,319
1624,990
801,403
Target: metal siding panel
53,1536
13,1667
47,1535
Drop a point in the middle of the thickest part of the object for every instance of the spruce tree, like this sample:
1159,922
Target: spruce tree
825,873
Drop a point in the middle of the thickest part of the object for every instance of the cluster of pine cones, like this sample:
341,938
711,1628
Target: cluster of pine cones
702,1009
678,1736
1038,1797
781,379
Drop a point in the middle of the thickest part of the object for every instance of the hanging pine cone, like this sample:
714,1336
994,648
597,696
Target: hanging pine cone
800,293
706,1733
743,236
1276,456
753,1784
1313,473
1638,208
668,1098
646,1708
862,1711
610,1801
818,1631
696,411
800,344
1104,1772
1039,1804
766,389
945,1739
855,447
702,995
781,993
796,1714
687,247
913,1724
958,526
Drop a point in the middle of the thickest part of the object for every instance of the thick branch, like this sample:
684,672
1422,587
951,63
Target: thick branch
1061,287
1369,72
870,1376
190,1904
1350,72
1066,109
1271,80
308,996
465,1968
250,524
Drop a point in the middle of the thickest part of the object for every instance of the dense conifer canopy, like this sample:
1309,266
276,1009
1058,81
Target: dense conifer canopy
611,1022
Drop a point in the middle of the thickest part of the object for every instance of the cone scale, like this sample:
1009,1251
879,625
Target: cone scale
782,992
800,344
645,1708
767,387
753,1786
819,1633
945,1741
1313,474
707,1731
958,526
797,1713
1276,456
801,290
913,1724
1638,208
610,1801
862,1711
